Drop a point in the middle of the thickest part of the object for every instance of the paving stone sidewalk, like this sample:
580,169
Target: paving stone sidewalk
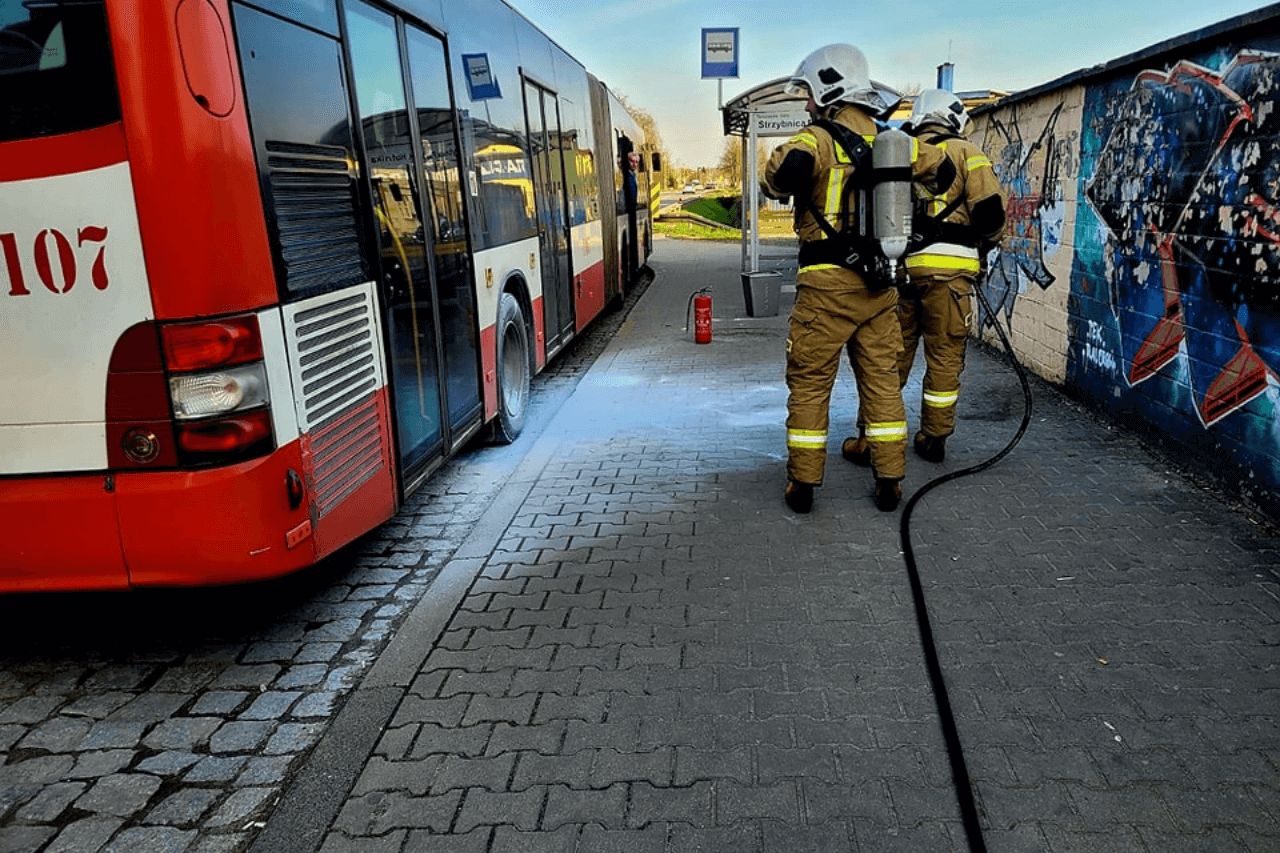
644,650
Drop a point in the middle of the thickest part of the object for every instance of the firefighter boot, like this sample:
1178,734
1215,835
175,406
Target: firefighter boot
888,493
930,448
799,496
857,451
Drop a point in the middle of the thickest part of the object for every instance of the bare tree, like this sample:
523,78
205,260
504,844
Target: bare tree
732,163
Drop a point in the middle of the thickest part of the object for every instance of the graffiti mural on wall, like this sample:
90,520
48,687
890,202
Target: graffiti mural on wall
1188,187
1032,174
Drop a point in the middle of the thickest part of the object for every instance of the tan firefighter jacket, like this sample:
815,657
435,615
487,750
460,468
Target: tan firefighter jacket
811,162
960,223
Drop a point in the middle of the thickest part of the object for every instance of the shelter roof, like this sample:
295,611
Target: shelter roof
773,94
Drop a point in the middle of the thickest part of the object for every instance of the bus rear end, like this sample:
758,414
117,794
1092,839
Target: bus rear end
164,420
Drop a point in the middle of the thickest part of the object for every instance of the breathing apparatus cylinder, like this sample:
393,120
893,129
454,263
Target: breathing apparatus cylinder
891,194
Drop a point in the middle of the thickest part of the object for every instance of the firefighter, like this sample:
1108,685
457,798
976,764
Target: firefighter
843,295
953,232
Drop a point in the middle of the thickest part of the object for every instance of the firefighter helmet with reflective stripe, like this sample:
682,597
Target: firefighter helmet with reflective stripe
838,73
937,106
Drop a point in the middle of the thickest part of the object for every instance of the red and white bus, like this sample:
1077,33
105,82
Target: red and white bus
265,265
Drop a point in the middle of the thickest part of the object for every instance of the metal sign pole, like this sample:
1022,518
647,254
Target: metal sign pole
746,210
753,187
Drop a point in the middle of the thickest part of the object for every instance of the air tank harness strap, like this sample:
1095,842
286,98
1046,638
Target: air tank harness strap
847,249
934,229
851,252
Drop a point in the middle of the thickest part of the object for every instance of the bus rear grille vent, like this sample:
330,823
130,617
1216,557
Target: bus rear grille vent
344,455
313,194
336,378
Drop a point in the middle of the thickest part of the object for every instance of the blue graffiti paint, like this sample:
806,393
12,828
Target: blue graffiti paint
1030,174
1174,184
1177,256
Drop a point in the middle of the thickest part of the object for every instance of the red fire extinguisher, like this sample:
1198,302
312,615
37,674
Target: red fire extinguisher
700,302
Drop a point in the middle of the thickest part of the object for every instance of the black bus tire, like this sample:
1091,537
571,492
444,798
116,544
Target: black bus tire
514,371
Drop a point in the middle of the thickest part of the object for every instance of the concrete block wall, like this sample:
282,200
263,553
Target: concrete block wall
1141,271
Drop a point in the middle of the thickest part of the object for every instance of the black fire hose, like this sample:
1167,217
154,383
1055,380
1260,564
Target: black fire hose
959,772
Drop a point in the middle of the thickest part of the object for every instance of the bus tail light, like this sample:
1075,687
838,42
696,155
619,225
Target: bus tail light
201,395
190,394
225,436
216,343
218,390
140,431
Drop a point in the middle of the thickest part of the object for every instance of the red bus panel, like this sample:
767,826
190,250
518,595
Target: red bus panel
59,533
203,228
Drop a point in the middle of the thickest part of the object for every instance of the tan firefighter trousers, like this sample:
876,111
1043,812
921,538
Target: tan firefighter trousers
941,311
834,308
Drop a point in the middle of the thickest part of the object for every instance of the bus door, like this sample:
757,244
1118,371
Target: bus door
543,116
447,235
420,240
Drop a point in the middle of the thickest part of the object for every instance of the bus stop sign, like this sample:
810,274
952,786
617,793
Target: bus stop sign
719,53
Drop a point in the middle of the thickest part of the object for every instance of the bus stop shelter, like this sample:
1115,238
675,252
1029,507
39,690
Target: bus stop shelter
766,111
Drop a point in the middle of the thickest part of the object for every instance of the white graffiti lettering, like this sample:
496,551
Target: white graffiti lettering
1095,352
1098,357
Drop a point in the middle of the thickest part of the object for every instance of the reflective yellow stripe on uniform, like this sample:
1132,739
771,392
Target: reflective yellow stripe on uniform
945,262
807,438
977,161
815,267
835,179
887,431
947,256
806,139
831,208
940,399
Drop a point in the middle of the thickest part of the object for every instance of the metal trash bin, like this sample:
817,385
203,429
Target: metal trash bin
762,290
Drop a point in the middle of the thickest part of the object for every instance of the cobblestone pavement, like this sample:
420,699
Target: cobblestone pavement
170,721
648,652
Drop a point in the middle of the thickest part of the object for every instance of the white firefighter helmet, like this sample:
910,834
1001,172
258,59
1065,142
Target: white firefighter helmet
937,106
838,73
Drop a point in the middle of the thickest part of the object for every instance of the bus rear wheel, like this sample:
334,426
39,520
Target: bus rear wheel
514,372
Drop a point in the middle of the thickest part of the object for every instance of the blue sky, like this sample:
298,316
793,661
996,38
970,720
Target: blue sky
649,50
